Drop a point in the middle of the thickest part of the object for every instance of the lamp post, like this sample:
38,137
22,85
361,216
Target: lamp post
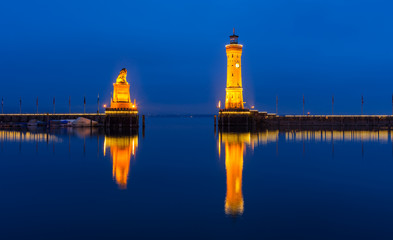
333,105
2,105
303,105
362,104
276,104
20,105
98,103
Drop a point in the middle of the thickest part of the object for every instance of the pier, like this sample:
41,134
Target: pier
234,115
263,120
22,118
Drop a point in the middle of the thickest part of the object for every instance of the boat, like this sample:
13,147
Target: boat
84,122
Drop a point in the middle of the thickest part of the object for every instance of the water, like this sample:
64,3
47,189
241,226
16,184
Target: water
181,180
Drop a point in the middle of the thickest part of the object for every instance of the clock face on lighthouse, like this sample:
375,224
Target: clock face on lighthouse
237,65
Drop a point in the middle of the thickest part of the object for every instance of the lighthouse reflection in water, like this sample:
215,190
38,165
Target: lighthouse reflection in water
122,150
236,145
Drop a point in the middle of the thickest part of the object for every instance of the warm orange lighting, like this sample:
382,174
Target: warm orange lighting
234,148
104,105
219,104
19,136
122,149
121,91
252,107
234,90
234,203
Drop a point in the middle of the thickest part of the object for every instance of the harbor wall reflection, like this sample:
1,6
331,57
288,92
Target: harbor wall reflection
122,149
20,136
237,144
345,136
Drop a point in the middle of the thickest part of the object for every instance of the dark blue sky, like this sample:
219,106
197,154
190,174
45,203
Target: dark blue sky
175,53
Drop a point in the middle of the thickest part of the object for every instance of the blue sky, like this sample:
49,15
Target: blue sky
174,52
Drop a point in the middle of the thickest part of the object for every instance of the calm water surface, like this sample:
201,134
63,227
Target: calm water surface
181,180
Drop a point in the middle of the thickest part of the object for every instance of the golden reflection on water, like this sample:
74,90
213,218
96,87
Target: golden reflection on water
235,147
327,136
122,148
19,136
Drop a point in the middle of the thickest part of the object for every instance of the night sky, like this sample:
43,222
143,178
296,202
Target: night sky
174,52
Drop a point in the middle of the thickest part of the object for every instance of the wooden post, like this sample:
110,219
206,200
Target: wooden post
143,126
333,105
277,105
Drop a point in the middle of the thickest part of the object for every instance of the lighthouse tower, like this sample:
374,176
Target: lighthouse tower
234,90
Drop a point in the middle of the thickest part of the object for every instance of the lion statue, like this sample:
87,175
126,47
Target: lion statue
122,76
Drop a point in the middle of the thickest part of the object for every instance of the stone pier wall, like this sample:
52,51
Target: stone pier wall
263,120
24,118
121,121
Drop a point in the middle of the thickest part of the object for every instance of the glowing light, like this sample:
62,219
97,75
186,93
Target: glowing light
219,104
235,148
234,112
234,90
330,136
17,136
121,92
104,105
121,112
122,149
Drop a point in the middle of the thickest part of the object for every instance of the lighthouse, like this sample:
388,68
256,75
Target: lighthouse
234,89
234,114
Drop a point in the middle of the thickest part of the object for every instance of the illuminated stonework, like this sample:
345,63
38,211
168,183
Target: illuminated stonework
121,93
122,149
234,90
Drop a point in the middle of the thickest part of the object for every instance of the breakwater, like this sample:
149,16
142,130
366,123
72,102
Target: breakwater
46,117
100,119
263,120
